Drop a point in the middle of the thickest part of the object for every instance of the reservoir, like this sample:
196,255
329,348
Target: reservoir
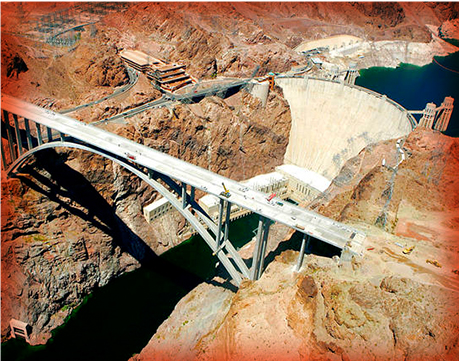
413,87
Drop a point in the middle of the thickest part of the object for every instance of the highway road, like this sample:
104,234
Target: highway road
133,77
295,217
170,98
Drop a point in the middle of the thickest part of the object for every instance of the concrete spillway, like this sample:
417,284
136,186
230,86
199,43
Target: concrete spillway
332,122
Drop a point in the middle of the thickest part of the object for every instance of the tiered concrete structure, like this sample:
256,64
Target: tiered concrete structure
167,77
351,74
434,117
156,209
20,329
428,117
303,185
170,77
139,60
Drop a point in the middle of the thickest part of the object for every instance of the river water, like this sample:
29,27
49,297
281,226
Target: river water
413,87
119,319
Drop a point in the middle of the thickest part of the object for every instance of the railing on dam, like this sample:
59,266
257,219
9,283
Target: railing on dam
410,117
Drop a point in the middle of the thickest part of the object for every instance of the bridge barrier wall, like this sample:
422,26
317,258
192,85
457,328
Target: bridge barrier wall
332,122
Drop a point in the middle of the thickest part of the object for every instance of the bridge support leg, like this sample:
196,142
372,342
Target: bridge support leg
304,243
183,195
260,248
192,192
10,135
218,237
5,166
39,136
227,219
263,247
50,134
29,137
18,134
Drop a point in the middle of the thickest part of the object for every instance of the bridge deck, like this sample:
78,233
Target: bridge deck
295,217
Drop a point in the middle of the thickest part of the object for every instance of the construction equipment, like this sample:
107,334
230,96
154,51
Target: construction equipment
225,191
433,262
269,78
408,250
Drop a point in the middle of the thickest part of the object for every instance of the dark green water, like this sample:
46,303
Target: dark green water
413,87
119,319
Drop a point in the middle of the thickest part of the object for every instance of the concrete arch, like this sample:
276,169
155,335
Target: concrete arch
186,213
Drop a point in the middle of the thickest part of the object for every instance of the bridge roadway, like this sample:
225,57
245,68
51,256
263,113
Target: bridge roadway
300,219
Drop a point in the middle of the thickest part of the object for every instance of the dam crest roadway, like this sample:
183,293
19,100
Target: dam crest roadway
35,128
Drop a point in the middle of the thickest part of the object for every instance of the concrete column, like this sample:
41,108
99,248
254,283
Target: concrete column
192,194
18,134
9,132
263,247
219,224
50,134
302,250
257,250
29,137
39,136
227,219
3,155
183,195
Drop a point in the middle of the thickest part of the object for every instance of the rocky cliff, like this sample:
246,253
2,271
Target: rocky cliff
70,211
65,233
369,308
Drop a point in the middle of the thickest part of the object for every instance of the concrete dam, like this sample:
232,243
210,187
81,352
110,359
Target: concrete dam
332,122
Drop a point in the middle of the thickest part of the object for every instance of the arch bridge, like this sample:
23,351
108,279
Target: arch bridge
29,129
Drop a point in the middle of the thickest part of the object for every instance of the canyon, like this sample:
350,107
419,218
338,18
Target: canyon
72,221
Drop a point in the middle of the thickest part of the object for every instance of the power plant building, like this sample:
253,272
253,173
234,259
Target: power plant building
156,209
303,184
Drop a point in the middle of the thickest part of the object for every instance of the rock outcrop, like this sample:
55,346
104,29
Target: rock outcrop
370,308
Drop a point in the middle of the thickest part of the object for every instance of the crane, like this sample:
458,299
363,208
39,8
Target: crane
226,192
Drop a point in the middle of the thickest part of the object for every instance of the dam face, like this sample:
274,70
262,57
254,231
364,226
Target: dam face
332,122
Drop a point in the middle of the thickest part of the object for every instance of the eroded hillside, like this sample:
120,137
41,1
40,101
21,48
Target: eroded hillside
368,308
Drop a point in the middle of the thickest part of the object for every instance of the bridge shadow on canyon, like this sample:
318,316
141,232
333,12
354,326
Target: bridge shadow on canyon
122,316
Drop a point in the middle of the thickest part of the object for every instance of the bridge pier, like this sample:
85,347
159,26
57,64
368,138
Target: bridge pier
219,223
183,195
39,136
192,196
260,248
50,134
227,220
29,137
18,134
304,246
9,133
3,155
